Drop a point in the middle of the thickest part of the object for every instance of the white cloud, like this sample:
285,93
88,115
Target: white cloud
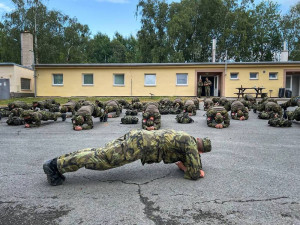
5,7
115,1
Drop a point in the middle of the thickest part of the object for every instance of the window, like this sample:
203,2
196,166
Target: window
234,76
253,76
181,79
88,79
25,84
58,79
150,79
119,80
272,76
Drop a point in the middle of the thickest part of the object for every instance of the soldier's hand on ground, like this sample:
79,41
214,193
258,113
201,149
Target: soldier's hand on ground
181,166
202,174
78,128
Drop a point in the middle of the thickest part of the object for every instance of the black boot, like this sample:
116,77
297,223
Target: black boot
64,116
54,177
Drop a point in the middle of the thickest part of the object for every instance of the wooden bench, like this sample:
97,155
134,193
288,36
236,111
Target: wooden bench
258,91
256,94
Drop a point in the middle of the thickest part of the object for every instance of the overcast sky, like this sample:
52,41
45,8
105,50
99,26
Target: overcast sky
107,16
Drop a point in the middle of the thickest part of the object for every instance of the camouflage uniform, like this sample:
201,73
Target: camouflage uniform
113,106
200,87
123,103
207,85
250,100
4,112
294,115
18,104
239,111
280,122
168,146
189,106
271,109
216,100
70,106
225,103
184,118
51,105
35,118
129,120
294,101
151,117
197,103
208,103
217,115
14,119
177,106
164,106
131,112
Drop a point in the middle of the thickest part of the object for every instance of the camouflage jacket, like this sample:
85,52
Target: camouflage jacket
167,145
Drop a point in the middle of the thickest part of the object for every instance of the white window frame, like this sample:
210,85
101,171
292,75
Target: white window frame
83,84
53,79
149,85
29,84
276,78
237,76
187,79
253,78
119,85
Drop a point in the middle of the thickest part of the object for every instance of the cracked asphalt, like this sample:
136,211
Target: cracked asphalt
252,177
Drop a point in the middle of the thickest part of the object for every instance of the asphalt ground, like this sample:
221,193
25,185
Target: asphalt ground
252,177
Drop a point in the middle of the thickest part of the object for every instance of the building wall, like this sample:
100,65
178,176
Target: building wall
165,80
23,73
103,82
7,72
262,81
14,74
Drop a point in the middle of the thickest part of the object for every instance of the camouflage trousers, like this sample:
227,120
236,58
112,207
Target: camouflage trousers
115,154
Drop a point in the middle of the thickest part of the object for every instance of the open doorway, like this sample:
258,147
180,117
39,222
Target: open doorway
214,78
292,83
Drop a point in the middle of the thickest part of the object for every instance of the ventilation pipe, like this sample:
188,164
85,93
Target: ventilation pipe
284,55
214,43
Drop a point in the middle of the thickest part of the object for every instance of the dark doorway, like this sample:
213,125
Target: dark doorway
214,77
4,89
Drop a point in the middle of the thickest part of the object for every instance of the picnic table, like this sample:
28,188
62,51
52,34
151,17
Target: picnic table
258,91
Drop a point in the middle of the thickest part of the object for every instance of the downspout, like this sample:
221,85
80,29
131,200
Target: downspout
34,76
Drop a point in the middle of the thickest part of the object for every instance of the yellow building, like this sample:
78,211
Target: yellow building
15,80
164,79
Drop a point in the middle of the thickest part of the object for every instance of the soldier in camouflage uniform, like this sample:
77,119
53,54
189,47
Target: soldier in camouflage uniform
239,111
168,146
35,118
83,120
294,115
207,84
217,117
216,100
197,103
70,106
151,117
208,103
177,106
164,106
184,118
200,87
14,118
124,103
225,103
4,112
270,110
18,104
250,101
51,105
111,107
189,106
279,122
129,120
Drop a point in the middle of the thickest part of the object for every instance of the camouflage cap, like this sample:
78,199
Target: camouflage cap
206,144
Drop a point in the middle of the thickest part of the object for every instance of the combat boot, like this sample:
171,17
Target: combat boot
64,116
54,177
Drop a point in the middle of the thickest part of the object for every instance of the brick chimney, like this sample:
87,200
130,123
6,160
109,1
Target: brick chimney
27,55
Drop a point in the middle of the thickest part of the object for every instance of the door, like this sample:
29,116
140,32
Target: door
288,83
4,89
216,85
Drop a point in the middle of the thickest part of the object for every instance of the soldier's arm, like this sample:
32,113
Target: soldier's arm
192,161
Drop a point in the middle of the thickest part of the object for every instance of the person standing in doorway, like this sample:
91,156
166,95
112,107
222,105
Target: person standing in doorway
200,87
207,84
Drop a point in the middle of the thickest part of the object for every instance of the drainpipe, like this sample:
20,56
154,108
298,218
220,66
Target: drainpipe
34,76
214,50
